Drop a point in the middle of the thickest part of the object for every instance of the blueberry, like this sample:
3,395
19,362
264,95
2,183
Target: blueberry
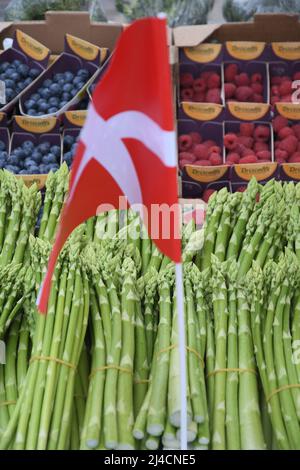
54,89
29,162
39,90
28,145
30,104
9,83
32,112
47,159
27,81
19,153
9,94
23,172
43,169
16,62
40,113
36,156
83,73
13,160
61,83
53,101
23,70
43,107
8,72
44,147
2,163
52,167
45,93
47,83
66,96
35,97
33,170
33,73
12,168
55,150
52,110
58,76
68,141
68,76
62,104
67,87
15,76
2,146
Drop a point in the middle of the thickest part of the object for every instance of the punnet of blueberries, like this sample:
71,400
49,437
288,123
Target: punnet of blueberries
31,159
16,76
70,142
54,93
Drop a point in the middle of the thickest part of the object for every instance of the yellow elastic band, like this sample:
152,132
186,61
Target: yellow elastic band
233,369
112,366
142,381
280,389
173,346
9,402
54,359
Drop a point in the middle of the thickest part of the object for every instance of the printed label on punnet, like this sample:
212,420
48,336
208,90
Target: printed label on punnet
2,352
2,93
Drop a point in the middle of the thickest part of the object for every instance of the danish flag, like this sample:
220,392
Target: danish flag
127,145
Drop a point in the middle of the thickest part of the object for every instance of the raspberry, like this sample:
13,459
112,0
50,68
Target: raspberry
187,94
209,143
257,98
233,157
215,159
286,99
202,163
214,149
230,141
183,163
186,80
298,148
246,141
296,129
279,122
264,155
213,96
241,189
196,137
201,152
277,144
285,132
260,147
289,144
231,70
247,129
296,76
262,133
244,93
242,79
207,193
199,97
185,142
206,74
285,88
256,78
246,152
213,81
187,156
257,88
295,158
275,90
229,89
249,159
281,155
199,85
276,80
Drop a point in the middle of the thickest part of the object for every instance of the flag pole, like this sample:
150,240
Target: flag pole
182,355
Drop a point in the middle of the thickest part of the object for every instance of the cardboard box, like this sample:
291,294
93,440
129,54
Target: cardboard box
52,30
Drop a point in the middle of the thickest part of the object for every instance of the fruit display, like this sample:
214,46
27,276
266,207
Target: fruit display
55,92
193,149
287,140
282,88
17,75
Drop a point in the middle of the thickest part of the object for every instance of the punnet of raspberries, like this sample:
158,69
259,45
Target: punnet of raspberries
282,88
287,140
194,150
242,86
250,145
205,88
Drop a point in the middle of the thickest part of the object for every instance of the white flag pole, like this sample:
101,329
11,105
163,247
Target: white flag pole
182,355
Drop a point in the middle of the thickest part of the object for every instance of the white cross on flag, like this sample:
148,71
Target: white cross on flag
127,146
